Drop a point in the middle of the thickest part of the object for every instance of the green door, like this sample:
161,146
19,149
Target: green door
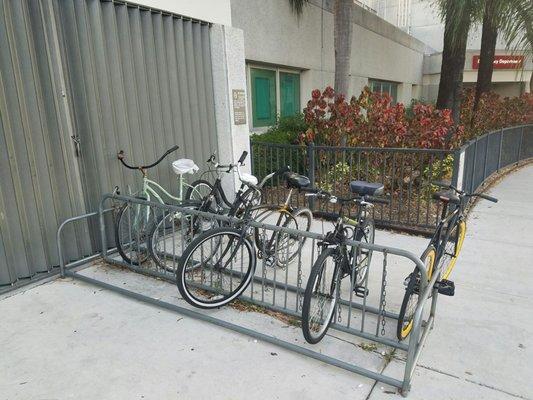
263,97
290,93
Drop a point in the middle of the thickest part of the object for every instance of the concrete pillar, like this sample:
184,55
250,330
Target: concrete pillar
229,75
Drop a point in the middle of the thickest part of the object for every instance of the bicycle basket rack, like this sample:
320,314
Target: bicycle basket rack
281,289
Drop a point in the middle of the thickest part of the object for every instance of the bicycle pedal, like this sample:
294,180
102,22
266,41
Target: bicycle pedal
446,287
360,291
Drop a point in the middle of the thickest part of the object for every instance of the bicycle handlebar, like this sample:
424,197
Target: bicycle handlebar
373,199
243,157
445,185
486,197
324,194
121,155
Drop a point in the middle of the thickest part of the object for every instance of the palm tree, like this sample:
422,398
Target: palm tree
517,28
489,36
458,16
342,21
513,18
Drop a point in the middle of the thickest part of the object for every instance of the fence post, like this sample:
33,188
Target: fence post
456,168
520,145
486,155
500,150
311,172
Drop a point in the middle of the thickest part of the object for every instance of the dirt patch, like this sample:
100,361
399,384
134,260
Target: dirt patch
243,306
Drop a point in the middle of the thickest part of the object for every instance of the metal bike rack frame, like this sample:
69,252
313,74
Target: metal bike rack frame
412,348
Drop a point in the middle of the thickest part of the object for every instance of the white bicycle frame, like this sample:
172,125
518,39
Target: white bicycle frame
148,191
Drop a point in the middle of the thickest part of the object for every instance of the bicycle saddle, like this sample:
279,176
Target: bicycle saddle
363,188
296,181
446,196
248,179
184,166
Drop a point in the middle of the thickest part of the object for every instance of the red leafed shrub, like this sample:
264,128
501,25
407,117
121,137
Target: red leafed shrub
494,112
373,121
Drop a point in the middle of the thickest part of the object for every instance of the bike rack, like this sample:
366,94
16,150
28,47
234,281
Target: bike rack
281,290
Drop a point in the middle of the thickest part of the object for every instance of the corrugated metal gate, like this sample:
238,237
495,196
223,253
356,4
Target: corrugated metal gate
114,75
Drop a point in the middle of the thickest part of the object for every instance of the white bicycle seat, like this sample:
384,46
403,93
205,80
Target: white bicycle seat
248,179
184,166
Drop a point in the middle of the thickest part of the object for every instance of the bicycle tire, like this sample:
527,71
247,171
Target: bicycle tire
366,233
302,217
334,287
216,296
452,249
263,214
170,225
193,188
410,298
139,233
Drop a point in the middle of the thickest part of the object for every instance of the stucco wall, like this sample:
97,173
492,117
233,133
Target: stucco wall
273,34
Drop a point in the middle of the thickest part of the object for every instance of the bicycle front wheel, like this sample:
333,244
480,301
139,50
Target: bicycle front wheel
321,295
216,268
452,247
131,232
198,190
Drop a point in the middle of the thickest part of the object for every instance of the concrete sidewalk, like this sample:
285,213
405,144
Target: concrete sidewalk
69,340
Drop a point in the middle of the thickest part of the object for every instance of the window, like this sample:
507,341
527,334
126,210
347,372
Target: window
274,91
384,87
290,93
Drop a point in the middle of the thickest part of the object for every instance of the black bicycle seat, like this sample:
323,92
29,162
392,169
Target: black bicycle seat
363,188
296,181
447,196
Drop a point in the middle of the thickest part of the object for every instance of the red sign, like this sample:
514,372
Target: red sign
502,62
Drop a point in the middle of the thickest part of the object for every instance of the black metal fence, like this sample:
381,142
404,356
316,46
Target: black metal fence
406,173
480,158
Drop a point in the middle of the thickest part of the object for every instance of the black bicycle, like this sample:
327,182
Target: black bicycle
219,199
442,251
338,260
219,264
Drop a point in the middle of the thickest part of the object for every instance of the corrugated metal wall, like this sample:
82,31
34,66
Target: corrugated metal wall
140,82
36,187
135,80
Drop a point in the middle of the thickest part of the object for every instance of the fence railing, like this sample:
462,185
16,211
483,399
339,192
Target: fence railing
407,174
487,154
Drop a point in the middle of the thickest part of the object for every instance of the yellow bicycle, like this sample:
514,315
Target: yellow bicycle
441,254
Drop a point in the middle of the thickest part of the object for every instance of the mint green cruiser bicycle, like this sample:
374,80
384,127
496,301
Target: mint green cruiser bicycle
134,221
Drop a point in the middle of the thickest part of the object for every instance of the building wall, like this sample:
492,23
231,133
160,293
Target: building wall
273,35
216,11
506,82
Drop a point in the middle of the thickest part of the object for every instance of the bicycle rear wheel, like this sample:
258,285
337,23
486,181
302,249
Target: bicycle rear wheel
289,245
452,247
364,233
216,268
172,234
321,295
410,298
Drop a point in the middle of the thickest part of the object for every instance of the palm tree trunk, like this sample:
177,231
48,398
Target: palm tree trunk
453,62
342,44
488,48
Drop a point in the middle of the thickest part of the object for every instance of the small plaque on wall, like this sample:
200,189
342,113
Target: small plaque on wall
239,107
